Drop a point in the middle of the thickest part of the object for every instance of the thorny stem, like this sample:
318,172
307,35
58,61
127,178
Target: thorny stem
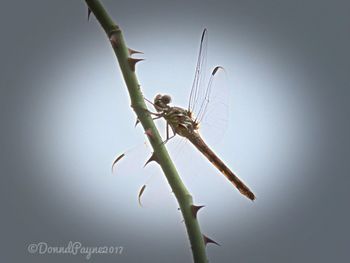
127,66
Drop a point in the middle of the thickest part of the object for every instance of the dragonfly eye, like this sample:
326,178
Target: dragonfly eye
166,99
161,102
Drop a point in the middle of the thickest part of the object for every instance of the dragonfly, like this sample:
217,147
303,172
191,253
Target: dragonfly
183,122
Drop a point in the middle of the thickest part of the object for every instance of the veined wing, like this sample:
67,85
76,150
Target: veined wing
199,77
209,101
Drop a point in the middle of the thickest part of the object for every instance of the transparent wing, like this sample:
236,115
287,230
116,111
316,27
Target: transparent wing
213,112
203,107
196,93
144,182
209,101
132,160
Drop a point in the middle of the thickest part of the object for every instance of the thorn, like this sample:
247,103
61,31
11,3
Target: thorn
114,40
140,194
137,122
195,209
117,159
149,133
132,51
89,13
208,240
133,61
153,158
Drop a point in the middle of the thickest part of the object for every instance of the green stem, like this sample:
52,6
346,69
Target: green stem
182,195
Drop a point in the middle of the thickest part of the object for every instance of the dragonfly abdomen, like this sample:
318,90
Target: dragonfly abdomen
197,141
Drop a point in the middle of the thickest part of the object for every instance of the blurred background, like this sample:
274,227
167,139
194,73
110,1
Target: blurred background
65,116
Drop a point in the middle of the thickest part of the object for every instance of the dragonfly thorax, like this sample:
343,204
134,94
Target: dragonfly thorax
180,120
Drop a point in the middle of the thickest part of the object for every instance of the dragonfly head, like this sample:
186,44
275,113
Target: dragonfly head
161,102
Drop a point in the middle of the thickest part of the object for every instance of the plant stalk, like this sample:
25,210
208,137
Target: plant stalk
127,66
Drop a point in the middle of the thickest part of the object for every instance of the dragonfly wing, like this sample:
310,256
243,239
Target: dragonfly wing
209,101
213,112
132,160
196,93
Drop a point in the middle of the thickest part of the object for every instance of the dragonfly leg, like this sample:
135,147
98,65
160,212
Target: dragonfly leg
156,118
150,102
167,133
